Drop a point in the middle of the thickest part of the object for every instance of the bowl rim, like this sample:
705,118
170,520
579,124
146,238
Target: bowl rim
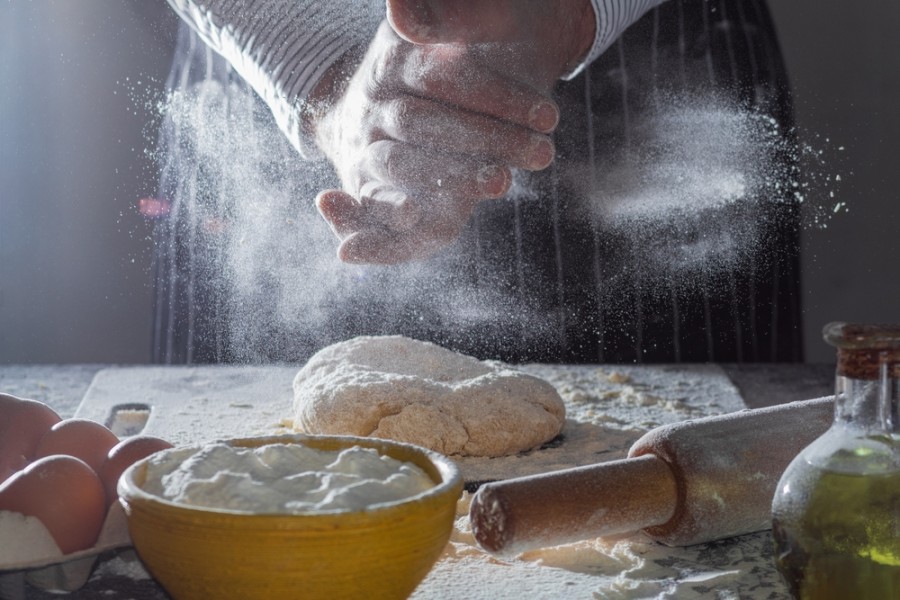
451,478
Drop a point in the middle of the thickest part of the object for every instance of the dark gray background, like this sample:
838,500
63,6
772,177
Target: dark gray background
75,124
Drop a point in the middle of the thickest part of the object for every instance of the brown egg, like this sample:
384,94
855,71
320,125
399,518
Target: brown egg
88,440
22,425
65,494
123,455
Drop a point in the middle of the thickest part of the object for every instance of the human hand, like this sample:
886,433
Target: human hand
420,135
538,40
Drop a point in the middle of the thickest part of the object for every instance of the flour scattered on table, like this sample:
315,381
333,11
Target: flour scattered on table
642,396
608,408
614,568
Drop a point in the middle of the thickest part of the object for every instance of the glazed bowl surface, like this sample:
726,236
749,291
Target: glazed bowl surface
383,551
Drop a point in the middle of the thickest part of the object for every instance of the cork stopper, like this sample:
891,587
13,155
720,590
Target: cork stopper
863,349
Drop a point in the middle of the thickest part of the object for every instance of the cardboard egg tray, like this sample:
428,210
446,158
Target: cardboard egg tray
61,572
181,405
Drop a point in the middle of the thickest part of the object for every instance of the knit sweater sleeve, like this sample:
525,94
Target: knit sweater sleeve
282,48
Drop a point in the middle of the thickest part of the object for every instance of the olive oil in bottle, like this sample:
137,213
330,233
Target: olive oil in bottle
836,511
847,542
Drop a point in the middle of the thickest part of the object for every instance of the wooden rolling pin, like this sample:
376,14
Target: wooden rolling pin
682,484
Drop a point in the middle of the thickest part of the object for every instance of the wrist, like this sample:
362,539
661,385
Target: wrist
325,94
583,26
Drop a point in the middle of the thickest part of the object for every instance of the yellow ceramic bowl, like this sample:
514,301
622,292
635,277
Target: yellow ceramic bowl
382,552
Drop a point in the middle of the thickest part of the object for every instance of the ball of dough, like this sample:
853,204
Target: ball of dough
418,392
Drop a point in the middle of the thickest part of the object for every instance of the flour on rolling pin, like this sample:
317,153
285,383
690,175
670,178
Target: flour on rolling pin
682,484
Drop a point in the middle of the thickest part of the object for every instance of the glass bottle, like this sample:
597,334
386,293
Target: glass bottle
836,511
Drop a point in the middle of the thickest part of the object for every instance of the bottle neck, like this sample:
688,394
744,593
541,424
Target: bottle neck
867,390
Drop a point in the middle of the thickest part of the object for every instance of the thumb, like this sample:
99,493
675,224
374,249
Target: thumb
453,21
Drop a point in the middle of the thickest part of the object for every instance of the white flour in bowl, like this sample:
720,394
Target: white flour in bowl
283,478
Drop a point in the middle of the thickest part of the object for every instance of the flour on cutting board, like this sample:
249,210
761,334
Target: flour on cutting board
632,396
608,569
193,405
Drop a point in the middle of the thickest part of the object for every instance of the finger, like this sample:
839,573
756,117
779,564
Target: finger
445,129
363,238
379,206
387,226
341,211
422,216
438,228
379,246
435,173
453,21
383,246
389,207
454,75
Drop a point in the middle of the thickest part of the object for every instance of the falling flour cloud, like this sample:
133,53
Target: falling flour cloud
687,160
686,196
692,190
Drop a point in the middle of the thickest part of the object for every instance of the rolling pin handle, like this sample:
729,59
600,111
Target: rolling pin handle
509,517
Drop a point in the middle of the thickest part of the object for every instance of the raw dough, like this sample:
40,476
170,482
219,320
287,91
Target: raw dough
417,392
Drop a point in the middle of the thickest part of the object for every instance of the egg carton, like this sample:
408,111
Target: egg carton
59,573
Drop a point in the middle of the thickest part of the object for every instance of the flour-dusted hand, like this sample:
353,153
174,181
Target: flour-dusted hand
418,136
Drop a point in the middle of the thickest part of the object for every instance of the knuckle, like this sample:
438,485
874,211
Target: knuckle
392,162
386,155
415,68
430,73
379,72
384,66
400,114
